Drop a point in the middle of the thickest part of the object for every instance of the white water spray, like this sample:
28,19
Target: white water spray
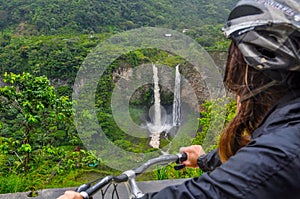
158,114
177,102
157,109
156,127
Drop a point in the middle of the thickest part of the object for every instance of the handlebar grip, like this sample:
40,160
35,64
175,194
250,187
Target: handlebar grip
182,157
96,187
82,187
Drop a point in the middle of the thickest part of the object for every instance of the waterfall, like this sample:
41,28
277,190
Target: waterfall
176,102
156,127
157,110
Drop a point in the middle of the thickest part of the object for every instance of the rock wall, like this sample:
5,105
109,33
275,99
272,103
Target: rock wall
192,77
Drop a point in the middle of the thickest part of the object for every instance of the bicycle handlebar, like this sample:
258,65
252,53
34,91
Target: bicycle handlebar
160,160
87,191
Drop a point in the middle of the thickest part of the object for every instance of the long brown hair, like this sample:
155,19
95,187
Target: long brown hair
241,79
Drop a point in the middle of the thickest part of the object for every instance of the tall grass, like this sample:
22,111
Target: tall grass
13,183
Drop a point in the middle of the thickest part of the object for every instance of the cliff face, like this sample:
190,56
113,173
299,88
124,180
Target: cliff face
192,84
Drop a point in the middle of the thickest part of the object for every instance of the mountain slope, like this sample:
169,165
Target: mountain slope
84,16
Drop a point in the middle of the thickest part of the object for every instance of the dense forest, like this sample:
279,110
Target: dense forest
42,46
83,16
203,19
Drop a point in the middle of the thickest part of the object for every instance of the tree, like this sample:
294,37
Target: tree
32,112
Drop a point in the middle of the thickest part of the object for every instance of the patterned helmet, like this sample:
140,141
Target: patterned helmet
268,33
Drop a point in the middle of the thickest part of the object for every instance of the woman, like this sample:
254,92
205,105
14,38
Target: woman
259,151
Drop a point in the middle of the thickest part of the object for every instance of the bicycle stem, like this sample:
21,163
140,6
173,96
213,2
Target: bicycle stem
131,185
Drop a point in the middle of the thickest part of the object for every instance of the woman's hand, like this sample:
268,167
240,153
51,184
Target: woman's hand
193,153
70,195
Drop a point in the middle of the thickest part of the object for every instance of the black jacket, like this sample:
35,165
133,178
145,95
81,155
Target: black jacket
267,168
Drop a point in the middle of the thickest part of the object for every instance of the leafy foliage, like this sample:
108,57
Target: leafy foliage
57,57
214,110
82,16
168,172
34,123
55,16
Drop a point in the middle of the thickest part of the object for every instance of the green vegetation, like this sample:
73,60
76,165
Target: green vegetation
202,19
57,57
214,110
35,125
83,16
168,172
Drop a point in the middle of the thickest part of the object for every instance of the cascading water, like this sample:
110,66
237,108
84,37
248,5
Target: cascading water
176,102
157,109
155,127
158,117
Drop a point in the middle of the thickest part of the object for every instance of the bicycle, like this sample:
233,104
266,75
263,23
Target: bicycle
128,177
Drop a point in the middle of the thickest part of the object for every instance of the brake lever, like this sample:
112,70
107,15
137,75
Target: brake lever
179,166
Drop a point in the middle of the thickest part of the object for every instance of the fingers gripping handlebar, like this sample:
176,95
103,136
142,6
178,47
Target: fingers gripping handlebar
88,190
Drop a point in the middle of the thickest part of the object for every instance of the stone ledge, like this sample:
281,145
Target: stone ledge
146,186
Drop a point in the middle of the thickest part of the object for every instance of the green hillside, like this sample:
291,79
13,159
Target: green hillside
52,37
84,16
